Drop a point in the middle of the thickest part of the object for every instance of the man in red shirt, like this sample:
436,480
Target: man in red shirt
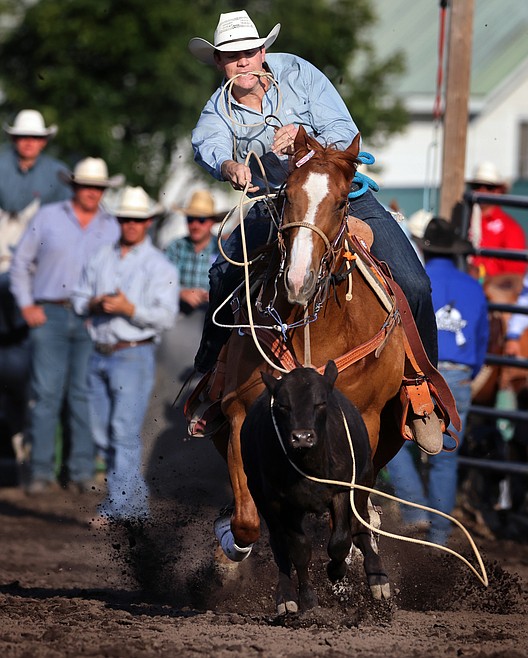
492,228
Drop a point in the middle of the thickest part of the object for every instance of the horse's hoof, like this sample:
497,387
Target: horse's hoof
222,529
380,592
286,607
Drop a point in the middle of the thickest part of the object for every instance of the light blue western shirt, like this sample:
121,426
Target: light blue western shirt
50,255
303,96
147,279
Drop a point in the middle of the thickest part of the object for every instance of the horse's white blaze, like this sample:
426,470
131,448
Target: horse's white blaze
316,188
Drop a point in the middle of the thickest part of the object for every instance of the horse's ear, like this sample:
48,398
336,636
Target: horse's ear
353,149
331,372
300,137
269,381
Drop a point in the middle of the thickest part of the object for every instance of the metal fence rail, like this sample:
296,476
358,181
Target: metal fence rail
516,416
493,465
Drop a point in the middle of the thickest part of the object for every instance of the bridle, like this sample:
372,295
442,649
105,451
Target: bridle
328,259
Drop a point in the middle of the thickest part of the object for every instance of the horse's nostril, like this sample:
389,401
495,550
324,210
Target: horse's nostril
310,280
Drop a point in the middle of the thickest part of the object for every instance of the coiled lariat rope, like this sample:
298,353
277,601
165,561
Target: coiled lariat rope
245,264
482,577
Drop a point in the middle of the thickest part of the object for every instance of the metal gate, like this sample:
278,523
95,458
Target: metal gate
470,198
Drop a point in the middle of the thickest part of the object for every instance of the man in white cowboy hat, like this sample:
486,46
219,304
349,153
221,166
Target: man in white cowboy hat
45,269
493,228
26,173
263,101
194,254
461,312
28,178
129,293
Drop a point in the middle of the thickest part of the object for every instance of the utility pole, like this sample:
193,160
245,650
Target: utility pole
456,113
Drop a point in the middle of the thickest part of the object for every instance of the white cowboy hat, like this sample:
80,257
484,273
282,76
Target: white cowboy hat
30,123
201,205
136,204
92,171
235,32
486,173
418,221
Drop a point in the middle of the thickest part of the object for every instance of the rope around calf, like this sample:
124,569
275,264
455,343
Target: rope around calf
482,577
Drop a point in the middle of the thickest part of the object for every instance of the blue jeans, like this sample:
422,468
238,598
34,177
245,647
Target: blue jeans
60,350
390,245
120,388
442,473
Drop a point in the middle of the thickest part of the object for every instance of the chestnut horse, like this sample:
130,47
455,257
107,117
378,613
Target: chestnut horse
316,280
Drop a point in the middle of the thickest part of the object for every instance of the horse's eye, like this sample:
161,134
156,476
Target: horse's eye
321,406
342,204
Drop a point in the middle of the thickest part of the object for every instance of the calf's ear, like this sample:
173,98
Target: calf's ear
331,372
269,381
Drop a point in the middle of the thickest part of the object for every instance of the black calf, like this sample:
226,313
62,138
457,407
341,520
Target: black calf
298,421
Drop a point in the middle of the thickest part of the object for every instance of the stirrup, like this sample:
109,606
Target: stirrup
206,420
203,412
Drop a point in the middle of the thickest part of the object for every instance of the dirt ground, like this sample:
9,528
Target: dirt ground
67,590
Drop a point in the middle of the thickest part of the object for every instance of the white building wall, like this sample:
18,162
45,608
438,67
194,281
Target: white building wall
412,160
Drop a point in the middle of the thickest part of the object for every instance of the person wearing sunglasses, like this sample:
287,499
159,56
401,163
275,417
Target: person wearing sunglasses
194,254
493,228
129,294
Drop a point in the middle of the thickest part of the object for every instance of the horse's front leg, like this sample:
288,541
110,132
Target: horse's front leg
340,537
244,521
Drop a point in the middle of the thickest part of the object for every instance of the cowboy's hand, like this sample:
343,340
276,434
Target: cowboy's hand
238,175
34,315
283,142
194,296
117,304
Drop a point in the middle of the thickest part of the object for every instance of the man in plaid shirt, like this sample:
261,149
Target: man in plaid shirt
194,254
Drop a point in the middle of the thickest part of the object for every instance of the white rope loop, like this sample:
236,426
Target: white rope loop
245,264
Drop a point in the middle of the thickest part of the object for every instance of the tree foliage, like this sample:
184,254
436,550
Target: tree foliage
117,78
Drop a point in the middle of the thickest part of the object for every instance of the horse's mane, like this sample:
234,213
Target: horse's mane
330,155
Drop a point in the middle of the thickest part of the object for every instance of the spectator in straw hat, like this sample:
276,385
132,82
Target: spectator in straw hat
492,228
129,291
46,267
462,319
26,173
194,254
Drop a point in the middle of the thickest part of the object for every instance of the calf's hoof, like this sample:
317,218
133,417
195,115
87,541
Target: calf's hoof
222,529
379,587
287,607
